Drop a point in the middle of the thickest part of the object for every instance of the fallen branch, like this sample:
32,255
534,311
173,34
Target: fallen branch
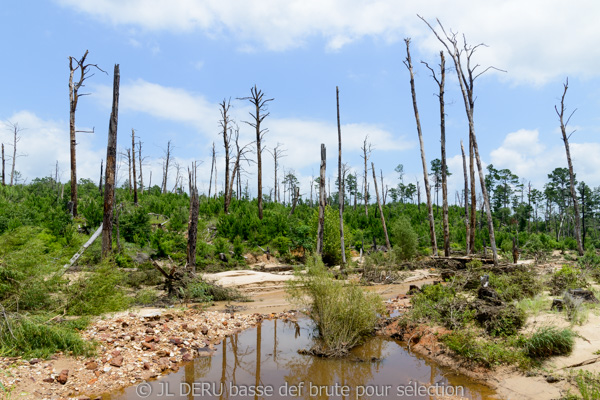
581,364
82,249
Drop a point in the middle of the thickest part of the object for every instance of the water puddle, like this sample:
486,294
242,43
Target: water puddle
263,363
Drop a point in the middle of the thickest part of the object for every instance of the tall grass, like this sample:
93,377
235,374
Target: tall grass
343,313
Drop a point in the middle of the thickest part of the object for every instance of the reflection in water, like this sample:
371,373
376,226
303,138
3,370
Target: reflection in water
248,370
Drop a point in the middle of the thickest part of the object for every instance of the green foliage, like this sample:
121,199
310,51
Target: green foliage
332,251
568,277
238,248
134,225
37,337
92,210
404,239
343,313
516,285
588,384
549,341
482,351
97,292
221,246
441,304
504,321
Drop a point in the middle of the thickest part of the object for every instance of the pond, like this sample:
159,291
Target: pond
264,363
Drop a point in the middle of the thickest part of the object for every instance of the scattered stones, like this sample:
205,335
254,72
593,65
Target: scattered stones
92,365
63,377
117,361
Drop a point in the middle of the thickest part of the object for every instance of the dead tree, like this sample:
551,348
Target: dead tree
366,148
140,159
387,238
563,129
467,229
295,199
321,225
178,177
240,156
466,79
111,165
101,170
277,154
383,194
128,155
212,167
3,167
193,222
167,160
15,130
441,82
408,64
226,132
260,113
340,178
135,193
84,70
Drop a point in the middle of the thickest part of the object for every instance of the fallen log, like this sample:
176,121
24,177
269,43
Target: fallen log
87,244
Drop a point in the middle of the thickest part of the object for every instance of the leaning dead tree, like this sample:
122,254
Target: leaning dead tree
193,222
111,166
563,129
441,82
84,71
366,149
466,74
387,238
413,92
341,190
467,228
322,200
257,99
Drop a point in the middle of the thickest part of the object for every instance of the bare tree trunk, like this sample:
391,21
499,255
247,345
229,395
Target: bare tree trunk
140,163
441,84
260,113
100,183
473,214
3,167
467,230
321,200
387,238
166,170
565,137
212,167
366,152
135,192
408,64
295,201
340,178
129,169
193,222
226,142
111,165
418,195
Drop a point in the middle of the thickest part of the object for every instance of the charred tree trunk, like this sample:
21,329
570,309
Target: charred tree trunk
467,229
321,200
3,167
100,183
366,152
226,144
135,192
111,165
565,138
340,178
387,239
408,64
129,169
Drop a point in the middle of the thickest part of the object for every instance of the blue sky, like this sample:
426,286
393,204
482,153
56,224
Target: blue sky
179,59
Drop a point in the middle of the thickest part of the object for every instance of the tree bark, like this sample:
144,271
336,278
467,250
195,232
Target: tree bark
340,178
408,64
467,230
366,152
387,238
193,222
320,228
111,165
166,170
226,144
100,183
565,137
212,166
140,163
135,192
3,167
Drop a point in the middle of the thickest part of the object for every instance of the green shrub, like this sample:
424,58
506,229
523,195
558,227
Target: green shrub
440,304
568,277
134,225
36,337
332,251
502,321
221,246
97,292
238,248
516,285
482,351
343,313
549,341
404,239
588,384
145,297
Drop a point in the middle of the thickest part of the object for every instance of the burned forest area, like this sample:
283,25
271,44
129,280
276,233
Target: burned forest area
126,279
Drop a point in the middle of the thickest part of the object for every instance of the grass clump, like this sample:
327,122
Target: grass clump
441,304
343,313
32,336
588,384
568,277
549,341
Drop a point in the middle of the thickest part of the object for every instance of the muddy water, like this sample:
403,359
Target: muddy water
263,363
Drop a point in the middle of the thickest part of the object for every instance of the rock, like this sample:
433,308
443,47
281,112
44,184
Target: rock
162,353
34,361
148,346
204,330
147,365
48,379
117,361
92,365
63,376
116,353
552,379
187,357
176,341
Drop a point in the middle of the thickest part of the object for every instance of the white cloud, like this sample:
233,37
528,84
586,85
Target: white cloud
44,142
535,40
